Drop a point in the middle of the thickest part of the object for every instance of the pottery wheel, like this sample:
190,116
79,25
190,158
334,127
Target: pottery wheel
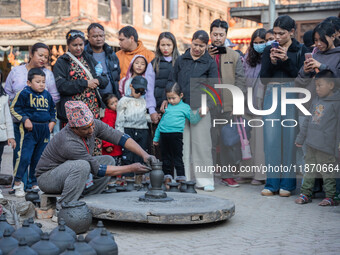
186,208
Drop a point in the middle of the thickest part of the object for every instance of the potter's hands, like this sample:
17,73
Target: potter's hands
164,106
149,159
139,168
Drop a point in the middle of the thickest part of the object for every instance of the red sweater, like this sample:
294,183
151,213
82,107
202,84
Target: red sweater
110,119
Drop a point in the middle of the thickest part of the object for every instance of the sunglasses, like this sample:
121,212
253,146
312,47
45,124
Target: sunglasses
75,34
140,91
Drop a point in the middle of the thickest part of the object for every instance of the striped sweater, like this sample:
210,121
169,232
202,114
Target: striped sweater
131,113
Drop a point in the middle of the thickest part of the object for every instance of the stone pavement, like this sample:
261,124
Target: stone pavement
261,225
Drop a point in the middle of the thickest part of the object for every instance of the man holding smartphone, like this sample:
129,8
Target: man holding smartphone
230,71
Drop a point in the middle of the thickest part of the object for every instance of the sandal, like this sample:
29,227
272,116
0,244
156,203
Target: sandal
303,199
327,202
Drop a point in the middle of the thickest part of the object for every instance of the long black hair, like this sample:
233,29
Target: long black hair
323,29
159,54
254,57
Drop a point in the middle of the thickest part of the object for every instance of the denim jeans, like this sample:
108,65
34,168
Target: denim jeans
279,141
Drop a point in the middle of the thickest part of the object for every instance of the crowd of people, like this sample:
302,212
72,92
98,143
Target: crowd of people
146,100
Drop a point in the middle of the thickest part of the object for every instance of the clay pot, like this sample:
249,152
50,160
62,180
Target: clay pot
174,186
8,243
34,226
190,187
83,248
96,232
70,250
31,195
26,232
104,245
183,187
76,215
61,238
4,224
45,246
23,249
68,230
156,176
130,185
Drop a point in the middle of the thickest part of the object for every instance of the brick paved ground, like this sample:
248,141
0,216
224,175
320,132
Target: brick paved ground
261,225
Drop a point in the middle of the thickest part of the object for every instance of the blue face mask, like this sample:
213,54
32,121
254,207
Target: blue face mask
269,43
259,48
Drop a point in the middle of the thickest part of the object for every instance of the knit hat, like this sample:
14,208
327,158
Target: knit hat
78,114
139,82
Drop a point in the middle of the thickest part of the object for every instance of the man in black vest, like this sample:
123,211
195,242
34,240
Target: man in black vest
104,55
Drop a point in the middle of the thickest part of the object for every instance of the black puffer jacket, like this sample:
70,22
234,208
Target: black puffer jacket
198,71
67,87
283,71
161,79
113,68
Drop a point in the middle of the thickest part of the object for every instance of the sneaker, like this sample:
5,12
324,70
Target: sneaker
256,182
284,193
1,196
267,192
230,182
19,190
209,188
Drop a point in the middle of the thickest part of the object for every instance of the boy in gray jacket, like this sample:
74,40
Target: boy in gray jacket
321,132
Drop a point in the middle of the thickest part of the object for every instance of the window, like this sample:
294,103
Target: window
147,5
10,8
104,9
188,14
57,7
200,13
127,11
211,17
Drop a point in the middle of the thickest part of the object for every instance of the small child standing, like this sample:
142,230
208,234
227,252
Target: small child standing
132,118
170,132
34,108
321,132
109,118
6,125
137,67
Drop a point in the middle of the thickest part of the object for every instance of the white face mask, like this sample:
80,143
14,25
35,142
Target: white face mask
269,43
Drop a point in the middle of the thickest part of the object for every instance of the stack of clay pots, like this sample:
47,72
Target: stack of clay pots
29,239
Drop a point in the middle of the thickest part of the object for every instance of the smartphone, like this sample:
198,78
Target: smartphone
308,55
221,49
275,45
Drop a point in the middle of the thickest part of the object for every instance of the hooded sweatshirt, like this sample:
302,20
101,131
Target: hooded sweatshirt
125,57
124,84
321,130
330,60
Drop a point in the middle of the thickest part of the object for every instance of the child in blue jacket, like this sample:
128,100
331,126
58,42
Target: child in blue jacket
34,108
170,132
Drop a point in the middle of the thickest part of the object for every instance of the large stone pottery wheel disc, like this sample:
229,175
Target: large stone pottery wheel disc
186,208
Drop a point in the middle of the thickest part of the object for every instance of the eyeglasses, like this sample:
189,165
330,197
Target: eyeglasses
75,34
140,91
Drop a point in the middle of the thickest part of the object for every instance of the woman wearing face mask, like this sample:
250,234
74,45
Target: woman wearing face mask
252,68
196,65
281,63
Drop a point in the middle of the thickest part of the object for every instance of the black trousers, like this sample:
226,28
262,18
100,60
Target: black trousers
172,153
141,136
